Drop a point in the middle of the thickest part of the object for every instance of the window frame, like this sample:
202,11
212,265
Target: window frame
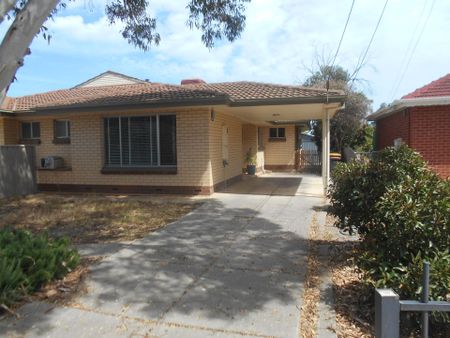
31,123
277,137
137,168
67,125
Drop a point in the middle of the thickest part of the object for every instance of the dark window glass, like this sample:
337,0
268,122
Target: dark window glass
26,130
36,129
140,141
113,133
126,145
277,133
273,132
62,129
31,130
167,139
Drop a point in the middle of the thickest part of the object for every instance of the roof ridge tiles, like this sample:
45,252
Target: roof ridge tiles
438,87
149,92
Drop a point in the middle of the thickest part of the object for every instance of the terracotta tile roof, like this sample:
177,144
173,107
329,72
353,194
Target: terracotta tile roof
111,95
245,90
439,87
147,93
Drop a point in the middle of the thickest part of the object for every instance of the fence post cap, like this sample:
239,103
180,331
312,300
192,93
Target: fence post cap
386,293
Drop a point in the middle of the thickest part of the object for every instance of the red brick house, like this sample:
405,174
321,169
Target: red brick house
421,120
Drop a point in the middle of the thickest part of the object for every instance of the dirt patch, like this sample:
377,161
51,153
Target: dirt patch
353,299
311,294
64,290
90,219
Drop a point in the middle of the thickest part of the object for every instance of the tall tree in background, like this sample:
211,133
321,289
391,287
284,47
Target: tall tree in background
216,19
348,126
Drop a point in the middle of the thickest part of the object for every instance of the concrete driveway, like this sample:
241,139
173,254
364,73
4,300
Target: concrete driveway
232,268
279,183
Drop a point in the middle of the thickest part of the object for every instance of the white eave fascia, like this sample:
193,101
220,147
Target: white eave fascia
406,103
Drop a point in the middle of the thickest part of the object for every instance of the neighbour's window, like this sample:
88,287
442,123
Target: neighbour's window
277,133
31,130
140,141
61,128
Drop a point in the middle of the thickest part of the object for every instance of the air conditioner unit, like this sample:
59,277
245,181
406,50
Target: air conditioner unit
52,162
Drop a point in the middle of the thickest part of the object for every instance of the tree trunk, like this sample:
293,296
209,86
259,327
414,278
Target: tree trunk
19,36
5,7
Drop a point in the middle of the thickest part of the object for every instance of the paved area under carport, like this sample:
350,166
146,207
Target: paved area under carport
279,183
232,268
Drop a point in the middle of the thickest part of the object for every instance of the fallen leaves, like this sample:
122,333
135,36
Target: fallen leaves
64,290
90,219
311,294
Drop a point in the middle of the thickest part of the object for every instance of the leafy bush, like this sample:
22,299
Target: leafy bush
27,262
358,186
400,209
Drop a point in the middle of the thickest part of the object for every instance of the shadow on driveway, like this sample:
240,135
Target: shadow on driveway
236,265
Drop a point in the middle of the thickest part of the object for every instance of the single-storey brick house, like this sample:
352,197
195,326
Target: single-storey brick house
421,120
120,134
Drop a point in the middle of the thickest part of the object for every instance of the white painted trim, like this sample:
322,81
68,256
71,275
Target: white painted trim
406,103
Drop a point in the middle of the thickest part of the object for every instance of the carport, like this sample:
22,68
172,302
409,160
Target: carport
293,112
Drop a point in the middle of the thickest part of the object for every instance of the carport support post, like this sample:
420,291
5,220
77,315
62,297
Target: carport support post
325,150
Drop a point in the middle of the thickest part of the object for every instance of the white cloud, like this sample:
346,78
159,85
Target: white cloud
280,37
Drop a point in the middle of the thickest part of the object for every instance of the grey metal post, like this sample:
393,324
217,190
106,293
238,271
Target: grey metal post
387,314
425,296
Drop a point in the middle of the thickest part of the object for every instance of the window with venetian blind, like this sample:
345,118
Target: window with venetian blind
140,141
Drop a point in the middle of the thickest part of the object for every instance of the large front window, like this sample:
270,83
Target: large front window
140,141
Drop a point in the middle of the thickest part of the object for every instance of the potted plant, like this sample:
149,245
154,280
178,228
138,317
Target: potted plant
250,159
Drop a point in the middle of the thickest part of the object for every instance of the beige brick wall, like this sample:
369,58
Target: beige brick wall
86,152
9,131
279,153
47,147
220,172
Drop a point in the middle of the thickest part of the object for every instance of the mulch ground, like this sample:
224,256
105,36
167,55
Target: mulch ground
90,219
354,299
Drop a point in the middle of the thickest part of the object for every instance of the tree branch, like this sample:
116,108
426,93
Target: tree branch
5,7
19,36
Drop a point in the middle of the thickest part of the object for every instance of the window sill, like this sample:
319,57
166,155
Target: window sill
277,139
139,171
57,169
32,141
61,141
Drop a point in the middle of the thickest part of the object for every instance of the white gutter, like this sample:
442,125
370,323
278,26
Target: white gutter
405,103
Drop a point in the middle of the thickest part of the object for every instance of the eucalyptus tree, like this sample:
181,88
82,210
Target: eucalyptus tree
216,19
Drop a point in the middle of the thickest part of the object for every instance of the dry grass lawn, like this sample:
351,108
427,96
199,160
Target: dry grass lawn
90,218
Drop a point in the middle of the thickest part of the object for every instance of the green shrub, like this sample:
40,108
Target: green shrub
28,261
358,186
400,209
411,218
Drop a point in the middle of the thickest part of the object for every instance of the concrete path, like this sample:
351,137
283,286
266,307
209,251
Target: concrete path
232,268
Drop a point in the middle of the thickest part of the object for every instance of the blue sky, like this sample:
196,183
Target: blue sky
279,44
